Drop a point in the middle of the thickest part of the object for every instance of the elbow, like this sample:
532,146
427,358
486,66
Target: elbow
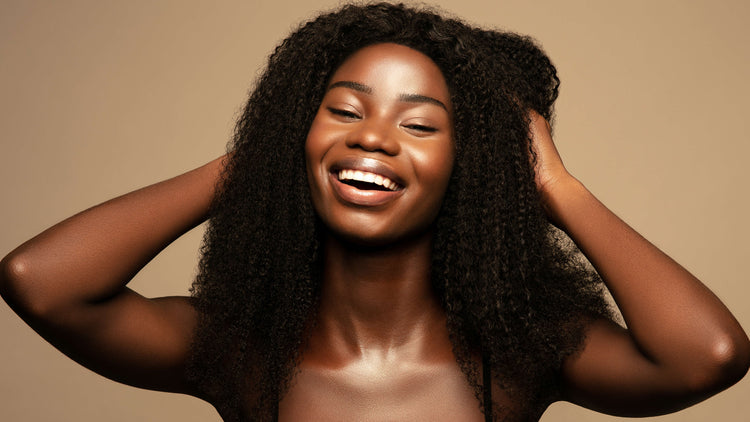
733,357
20,289
12,270
726,363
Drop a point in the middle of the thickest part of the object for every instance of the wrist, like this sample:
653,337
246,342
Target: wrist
561,195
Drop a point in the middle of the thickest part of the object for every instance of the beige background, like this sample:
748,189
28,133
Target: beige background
98,98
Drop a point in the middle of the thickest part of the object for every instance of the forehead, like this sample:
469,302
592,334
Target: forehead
393,67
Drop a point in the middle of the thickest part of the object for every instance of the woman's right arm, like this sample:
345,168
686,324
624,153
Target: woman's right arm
69,282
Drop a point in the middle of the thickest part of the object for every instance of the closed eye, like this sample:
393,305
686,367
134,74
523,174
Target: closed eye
343,113
421,128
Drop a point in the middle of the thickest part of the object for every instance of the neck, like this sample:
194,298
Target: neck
377,299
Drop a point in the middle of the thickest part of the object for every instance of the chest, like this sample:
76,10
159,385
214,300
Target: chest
381,393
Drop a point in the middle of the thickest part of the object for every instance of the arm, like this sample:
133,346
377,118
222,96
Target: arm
681,346
69,282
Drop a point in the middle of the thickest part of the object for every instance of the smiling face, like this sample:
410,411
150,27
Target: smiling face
380,151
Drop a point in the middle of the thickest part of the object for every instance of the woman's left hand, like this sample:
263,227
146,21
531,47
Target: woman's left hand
551,174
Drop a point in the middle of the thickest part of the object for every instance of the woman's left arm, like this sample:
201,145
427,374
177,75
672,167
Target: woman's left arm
681,344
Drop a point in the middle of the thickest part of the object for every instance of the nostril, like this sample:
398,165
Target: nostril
373,138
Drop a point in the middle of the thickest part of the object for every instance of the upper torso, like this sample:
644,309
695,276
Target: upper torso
397,392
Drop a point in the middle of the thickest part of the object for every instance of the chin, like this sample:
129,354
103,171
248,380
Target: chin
376,240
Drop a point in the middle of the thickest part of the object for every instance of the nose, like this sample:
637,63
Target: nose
374,135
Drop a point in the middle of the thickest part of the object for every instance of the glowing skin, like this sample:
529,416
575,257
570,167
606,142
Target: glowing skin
384,122
379,157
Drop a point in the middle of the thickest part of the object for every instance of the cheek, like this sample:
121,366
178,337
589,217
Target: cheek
320,139
315,148
323,134
435,165
312,140
313,156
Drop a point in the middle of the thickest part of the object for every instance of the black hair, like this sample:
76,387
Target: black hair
511,290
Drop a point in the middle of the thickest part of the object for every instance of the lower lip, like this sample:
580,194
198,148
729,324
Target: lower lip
364,198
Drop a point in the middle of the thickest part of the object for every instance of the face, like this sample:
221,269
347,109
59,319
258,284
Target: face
380,152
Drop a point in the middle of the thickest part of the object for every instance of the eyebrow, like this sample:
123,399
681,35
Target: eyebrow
416,98
408,98
351,85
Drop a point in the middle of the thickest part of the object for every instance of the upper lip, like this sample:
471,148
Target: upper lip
366,164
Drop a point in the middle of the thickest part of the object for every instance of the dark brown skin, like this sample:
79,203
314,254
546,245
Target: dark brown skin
380,349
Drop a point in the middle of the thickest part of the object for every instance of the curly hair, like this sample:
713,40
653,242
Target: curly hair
511,290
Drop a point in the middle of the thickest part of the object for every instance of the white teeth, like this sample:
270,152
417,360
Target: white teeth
363,176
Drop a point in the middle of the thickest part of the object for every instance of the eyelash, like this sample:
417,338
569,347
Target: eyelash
421,128
343,113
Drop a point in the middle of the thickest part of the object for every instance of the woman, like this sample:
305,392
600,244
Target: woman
380,248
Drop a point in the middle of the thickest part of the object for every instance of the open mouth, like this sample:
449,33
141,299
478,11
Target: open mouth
364,180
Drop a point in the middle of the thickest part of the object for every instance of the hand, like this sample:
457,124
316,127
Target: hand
549,167
551,175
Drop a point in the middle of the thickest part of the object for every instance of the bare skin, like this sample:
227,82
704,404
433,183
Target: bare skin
380,350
